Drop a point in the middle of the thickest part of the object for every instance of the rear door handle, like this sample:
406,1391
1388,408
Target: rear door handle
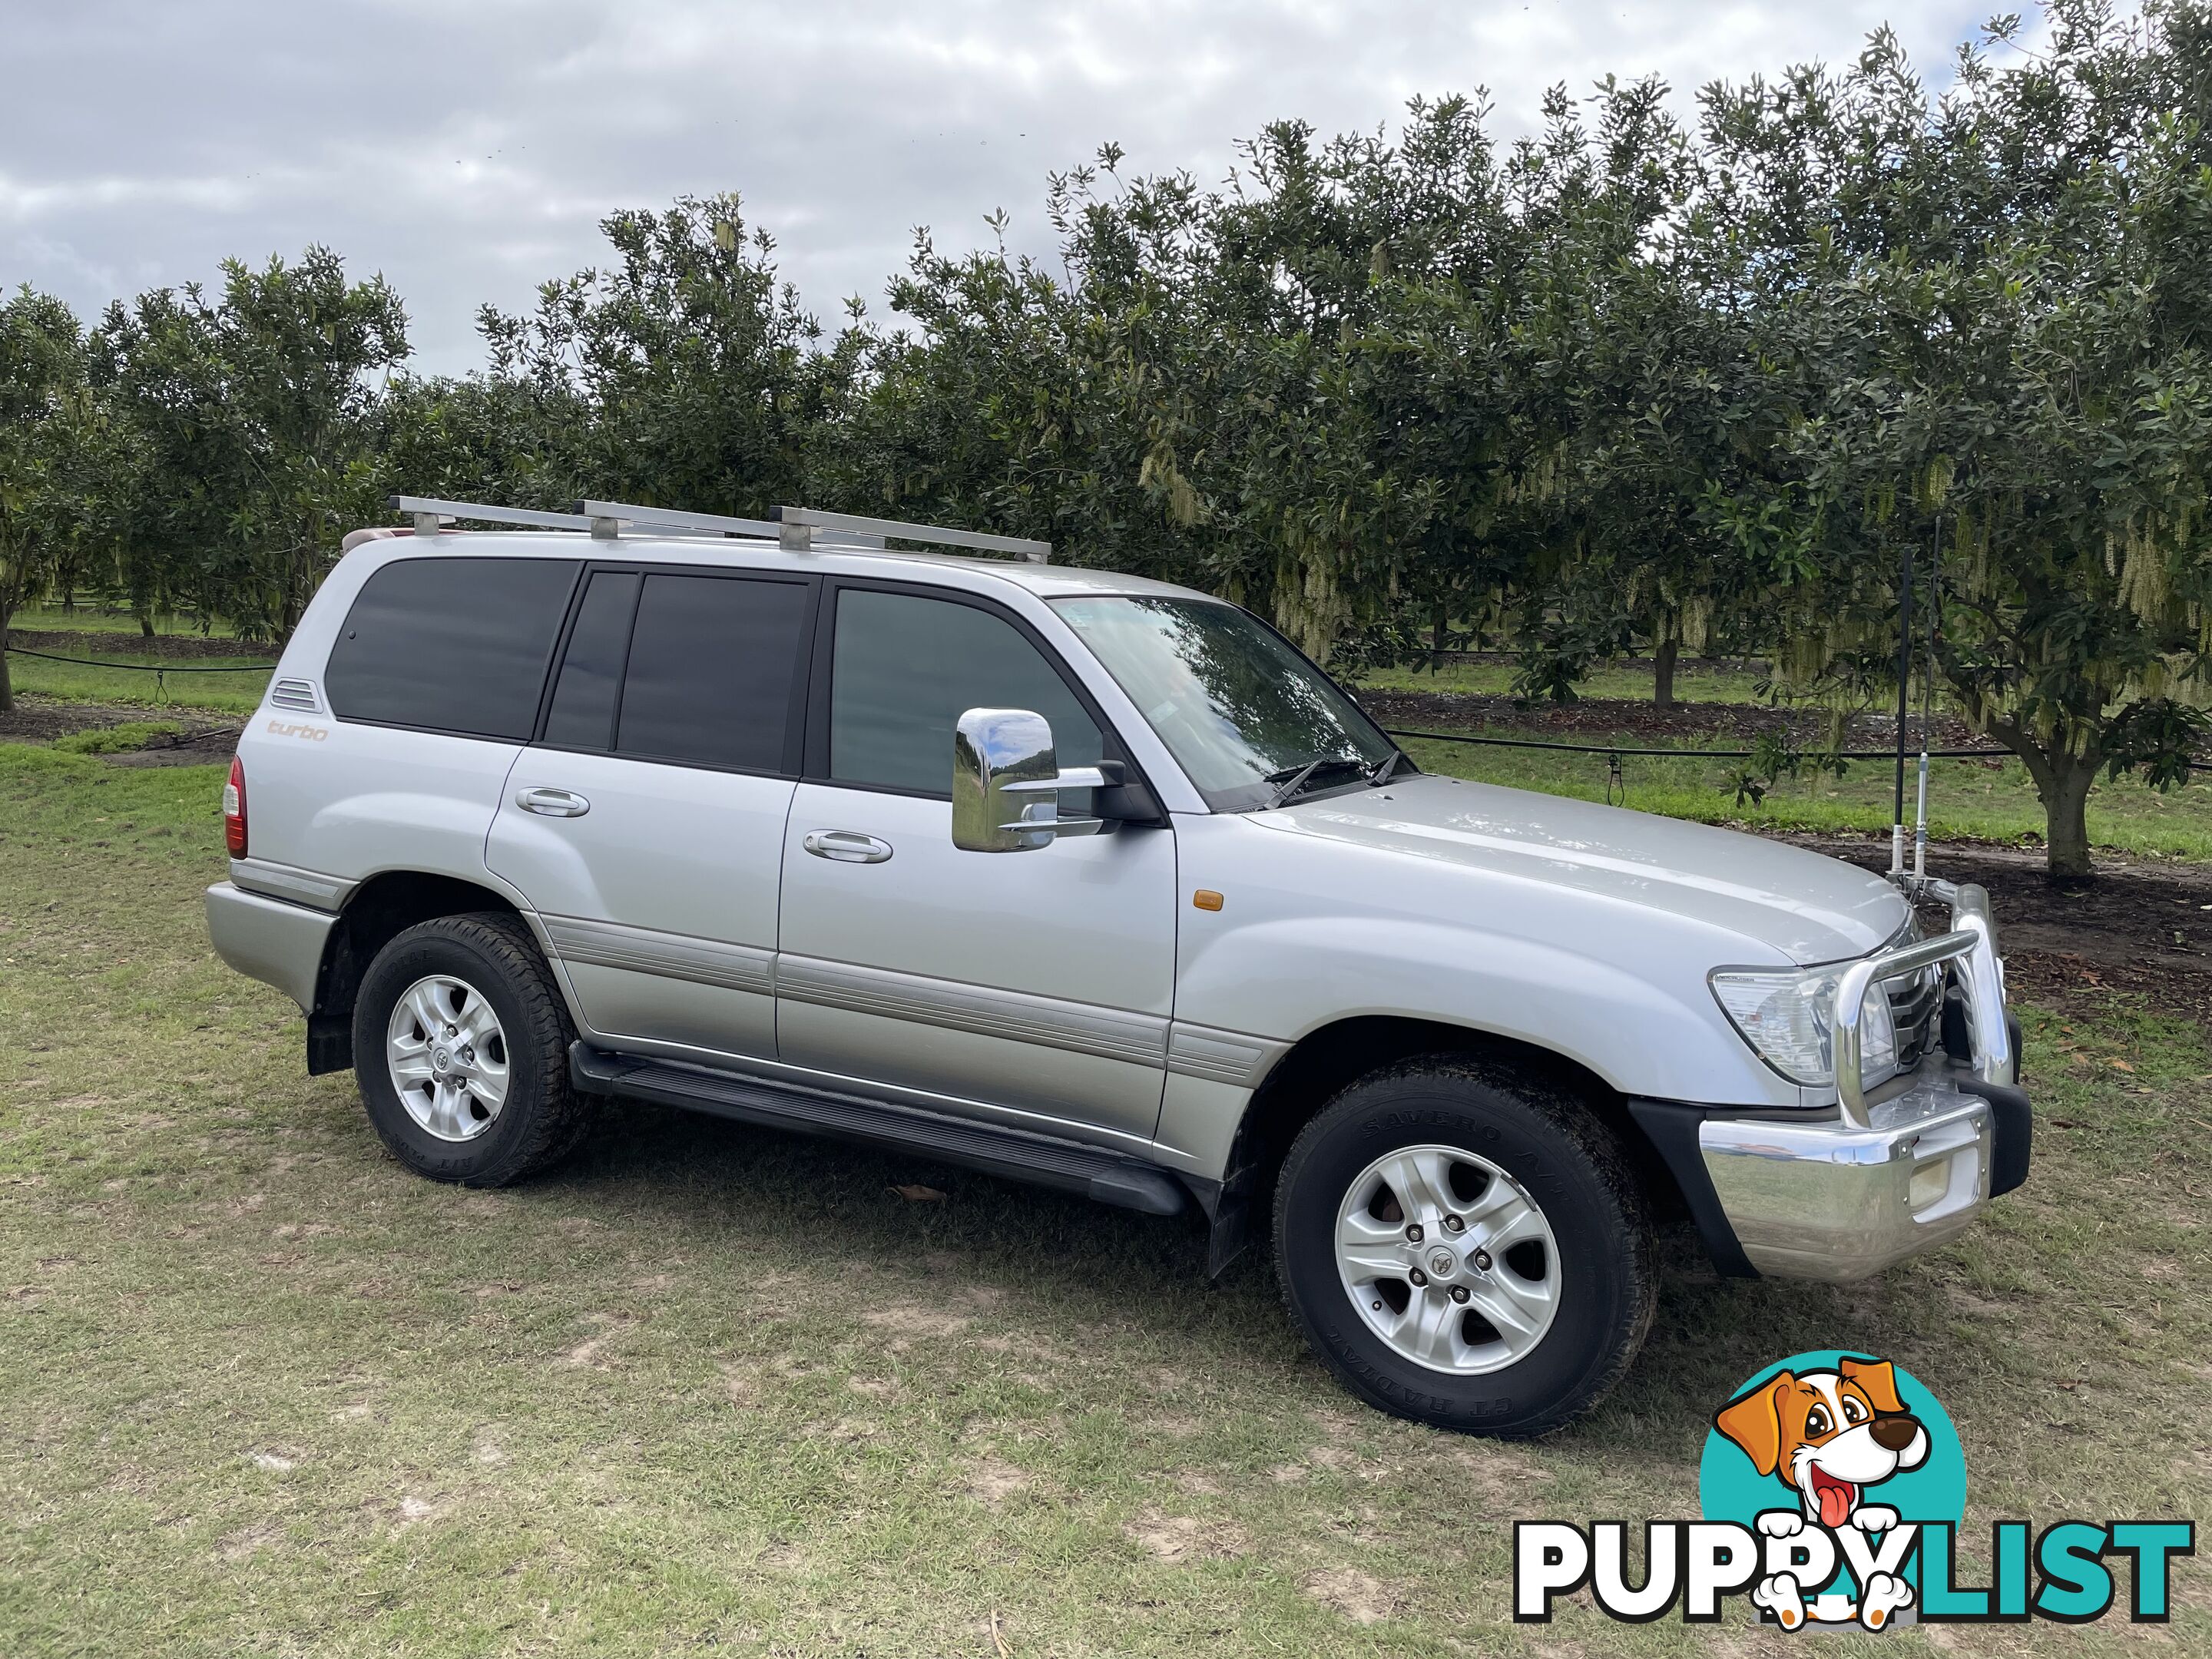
553,803
846,845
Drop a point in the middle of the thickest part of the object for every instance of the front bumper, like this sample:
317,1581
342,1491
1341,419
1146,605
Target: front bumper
279,943
1837,1201
1883,1176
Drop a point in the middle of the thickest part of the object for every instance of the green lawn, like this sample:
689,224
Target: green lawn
91,619
710,1389
1627,681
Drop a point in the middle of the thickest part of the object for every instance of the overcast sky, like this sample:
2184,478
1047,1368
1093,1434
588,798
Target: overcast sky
466,149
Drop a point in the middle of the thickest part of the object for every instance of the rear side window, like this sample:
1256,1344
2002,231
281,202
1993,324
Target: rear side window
713,675
583,712
451,645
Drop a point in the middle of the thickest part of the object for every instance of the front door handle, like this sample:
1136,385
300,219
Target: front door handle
553,803
846,845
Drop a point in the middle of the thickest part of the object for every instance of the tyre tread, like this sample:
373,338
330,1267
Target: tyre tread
559,1118
1633,1267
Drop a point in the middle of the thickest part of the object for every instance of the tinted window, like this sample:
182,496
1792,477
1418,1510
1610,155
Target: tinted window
583,712
907,668
454,644
713,665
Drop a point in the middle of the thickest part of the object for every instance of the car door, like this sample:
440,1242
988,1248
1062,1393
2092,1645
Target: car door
1036,984
646,822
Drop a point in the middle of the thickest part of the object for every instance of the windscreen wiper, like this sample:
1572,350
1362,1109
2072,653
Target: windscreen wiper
1290,780
1385,769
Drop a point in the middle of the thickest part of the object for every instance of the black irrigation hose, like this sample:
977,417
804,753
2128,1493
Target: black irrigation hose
1693,754
1615,751
142,667
160,672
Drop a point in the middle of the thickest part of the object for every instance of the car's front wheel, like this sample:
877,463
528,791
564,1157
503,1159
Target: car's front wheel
1465,1248
460,1046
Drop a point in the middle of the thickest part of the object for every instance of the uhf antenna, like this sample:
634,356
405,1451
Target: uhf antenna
1904,694
1928,704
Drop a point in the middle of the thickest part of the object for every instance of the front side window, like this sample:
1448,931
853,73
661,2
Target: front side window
1241,709
907,667
451,645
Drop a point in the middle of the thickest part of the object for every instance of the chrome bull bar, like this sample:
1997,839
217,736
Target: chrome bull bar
1970,943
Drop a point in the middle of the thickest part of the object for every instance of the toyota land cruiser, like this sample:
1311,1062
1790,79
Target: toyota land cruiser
1085,880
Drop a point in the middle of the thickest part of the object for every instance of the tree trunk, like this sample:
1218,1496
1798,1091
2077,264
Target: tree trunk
2065,806
146,624
7,685
1662,672
1438,630
2061,782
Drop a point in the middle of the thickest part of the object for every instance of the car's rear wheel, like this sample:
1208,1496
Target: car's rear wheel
461,1052
1465,1246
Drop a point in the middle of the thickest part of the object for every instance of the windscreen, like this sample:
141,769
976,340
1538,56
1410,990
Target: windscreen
1236,703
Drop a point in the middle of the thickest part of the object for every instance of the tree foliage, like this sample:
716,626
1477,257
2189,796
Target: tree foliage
1630,380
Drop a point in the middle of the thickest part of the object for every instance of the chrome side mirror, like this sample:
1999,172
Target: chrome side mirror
1006,781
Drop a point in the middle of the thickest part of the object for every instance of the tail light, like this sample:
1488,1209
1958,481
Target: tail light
233,809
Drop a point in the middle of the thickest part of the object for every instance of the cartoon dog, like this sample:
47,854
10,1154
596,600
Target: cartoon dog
1829,1435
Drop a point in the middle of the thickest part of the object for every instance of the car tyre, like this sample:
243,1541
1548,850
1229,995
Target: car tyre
1573,1289
441,1108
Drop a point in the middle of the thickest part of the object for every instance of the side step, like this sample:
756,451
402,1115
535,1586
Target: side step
1019,1154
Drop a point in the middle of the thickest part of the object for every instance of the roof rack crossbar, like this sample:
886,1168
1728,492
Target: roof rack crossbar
618,513
427,512
799,524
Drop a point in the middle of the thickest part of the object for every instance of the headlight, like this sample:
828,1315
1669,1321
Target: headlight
1787,1015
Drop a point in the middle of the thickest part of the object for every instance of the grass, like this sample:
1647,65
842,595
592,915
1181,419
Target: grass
117,739
709,1388
1626,681
91,619
1982,800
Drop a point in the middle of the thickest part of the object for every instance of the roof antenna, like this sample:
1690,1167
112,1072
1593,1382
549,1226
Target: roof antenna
1903,693
1928,705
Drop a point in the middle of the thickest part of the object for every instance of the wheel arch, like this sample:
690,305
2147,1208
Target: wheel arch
1329,1060
375,912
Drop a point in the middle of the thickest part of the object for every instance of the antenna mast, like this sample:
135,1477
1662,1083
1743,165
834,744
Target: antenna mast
1904,694
1927,703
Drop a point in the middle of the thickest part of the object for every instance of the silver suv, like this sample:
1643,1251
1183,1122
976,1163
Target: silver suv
1089,880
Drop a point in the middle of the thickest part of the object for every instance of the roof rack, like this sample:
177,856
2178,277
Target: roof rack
798,524
797,529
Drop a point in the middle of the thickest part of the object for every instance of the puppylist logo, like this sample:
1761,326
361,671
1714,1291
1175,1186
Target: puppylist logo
1833,1486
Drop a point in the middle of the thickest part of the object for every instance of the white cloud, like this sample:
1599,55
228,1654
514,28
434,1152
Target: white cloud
466,147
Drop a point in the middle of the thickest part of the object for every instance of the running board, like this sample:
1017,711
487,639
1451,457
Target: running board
1019,1154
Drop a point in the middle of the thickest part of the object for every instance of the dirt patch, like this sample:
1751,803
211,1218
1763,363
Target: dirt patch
1363,1600
197,746
1177,1537
586,1354
992,1482
2142,928
41,720
907,1320
35,719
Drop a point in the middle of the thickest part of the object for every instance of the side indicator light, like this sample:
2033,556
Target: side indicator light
1206,899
